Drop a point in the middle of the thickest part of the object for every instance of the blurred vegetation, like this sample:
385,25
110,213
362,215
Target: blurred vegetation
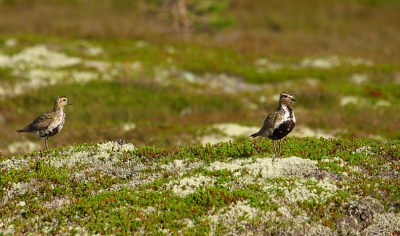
160,75
278,29
265,44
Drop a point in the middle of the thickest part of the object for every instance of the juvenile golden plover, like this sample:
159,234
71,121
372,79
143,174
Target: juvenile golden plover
49,123
280,122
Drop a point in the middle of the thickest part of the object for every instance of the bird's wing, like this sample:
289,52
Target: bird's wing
40,123
269,122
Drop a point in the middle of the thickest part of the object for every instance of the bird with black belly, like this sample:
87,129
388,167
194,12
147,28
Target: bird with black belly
279,123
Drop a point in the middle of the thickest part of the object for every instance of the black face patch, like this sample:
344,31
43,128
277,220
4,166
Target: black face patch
284,129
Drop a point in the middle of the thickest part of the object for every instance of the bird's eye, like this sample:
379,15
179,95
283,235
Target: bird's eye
285,96
64,99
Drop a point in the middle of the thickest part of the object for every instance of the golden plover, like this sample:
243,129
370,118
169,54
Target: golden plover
280,122
49,123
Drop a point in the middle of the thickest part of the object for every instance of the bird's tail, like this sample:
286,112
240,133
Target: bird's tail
20,131
255,134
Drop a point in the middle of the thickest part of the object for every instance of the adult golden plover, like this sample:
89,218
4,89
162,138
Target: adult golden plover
49,123
280,122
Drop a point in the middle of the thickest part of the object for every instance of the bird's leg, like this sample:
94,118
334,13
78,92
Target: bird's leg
273,141
45,141
280,150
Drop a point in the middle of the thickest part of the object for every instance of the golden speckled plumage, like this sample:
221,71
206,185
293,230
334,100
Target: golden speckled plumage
49,123
280,122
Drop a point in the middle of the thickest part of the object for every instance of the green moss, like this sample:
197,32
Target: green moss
112,205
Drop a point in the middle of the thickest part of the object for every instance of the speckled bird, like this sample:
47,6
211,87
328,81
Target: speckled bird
279,123
49,123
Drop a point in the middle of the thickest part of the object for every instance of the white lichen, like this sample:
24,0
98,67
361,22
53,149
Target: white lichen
189,185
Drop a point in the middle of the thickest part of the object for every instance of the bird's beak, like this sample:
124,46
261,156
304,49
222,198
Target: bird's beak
293,99
69,103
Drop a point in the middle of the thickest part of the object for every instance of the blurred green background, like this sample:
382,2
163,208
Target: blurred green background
164,73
